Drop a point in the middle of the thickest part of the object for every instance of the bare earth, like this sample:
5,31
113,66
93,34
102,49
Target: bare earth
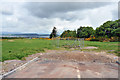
66,64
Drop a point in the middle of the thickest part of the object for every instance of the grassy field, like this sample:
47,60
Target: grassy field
17,49
107,46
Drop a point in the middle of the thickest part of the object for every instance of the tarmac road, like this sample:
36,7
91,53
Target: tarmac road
66,69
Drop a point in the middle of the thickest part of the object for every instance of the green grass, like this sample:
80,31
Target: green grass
110,47
20,48
103,45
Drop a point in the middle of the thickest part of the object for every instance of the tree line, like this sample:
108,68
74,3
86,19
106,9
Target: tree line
108,29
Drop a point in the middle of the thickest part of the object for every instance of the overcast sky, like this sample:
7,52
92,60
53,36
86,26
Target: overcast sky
41,17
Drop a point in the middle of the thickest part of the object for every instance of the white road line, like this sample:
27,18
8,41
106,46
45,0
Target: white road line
78,76
19,68
88,70
97,73
0,77
78,71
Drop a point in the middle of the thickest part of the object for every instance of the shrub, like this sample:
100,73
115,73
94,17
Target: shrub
96,39
113,39
103,39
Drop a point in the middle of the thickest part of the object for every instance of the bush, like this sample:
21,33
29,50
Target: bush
96,39
103,39
113,39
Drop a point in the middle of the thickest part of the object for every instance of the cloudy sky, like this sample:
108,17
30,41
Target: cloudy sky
41,17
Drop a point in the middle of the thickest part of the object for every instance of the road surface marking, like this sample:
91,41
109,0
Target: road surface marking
78,71
88,70
78,76
97,73
20,67
0,77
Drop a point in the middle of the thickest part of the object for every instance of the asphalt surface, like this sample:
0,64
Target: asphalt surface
67,69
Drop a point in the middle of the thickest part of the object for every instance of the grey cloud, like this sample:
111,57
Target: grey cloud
115,14
51,9
119,10
116,11
35,21
6,9
41,17
6,13
71,16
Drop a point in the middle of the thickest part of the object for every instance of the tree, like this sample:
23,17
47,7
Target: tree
108,29
85,32
68,33
54,33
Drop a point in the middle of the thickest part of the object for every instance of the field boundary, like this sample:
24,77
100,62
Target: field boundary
19,68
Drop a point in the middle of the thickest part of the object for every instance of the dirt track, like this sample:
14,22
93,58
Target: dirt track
80,56
70,64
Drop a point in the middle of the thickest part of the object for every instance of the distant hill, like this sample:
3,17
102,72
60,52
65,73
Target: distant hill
11,33
32,34
18,33
27,35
